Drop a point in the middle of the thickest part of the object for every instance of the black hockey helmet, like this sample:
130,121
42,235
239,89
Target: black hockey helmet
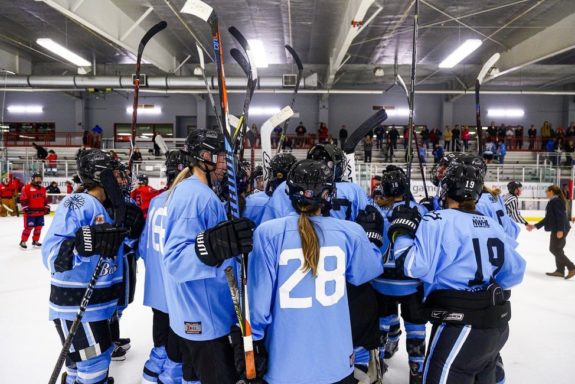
175,163
462,182
393,182
35,182
513,185
243,176
143,179
200,140
36,174
474,161
91,163
280,165
310,182
332,155
438,170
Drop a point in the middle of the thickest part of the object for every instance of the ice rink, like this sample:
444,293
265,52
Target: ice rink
540,349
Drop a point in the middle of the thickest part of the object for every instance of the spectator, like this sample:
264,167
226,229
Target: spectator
300,132
437,153
114,155
86,138
492,131
69,187
456,135
388,155
509,134
501,131
97,136
393,135
51,163
80,151
252,136
560,133
379,136
465,136
519,137
447,137
435,136
53,188
489,151
556,222
322,133
425,137
569,149
276,134
422,153
367,147
8,194
570,131
405,139
532,133
136,156
41,152
545,134
343,136
501,152
156,146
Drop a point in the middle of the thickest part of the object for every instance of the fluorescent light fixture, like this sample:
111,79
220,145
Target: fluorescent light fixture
461,53
259,53
63,52
29,109
505,113
145,111
264,111
399,112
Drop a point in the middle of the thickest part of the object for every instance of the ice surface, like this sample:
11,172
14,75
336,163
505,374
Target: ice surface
540,348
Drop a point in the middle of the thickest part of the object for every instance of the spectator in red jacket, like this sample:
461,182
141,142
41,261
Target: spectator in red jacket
51,163
7,193
143,194
35,204
322,133
465,136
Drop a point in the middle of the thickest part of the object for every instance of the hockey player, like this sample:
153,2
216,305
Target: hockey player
277,170
257,179
350,197
8,193
395,289
199,243
300,265
35,203
164,364
143,194
466,280
512,203
83,231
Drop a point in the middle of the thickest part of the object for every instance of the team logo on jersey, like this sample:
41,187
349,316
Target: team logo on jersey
193,328
100,219
480,222
108,268
74,202
434,215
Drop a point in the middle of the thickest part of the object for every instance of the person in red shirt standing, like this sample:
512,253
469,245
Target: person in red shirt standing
7,194
52,163
143,194
35,204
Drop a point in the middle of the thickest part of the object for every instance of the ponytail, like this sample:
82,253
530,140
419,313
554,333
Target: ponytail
467,205
309,239
493,192
386,202
559,193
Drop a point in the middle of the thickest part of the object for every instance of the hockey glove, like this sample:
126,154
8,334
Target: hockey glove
47,210
260,354
227,239
100,239
372,222
404,220
427,202
134,221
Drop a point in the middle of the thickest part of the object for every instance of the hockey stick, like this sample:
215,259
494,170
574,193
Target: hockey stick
235,293
159,140
356,136
7,208
299,64
202,10
116,197
486,67
421,169
208,88
151,32
266,133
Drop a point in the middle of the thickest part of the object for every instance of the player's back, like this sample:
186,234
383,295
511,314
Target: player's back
255,205
493,206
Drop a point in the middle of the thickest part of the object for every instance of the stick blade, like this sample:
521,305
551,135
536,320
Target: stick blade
356,136
239,37
241,60
295,57
161,143
487,66
198,8
151,33
279,117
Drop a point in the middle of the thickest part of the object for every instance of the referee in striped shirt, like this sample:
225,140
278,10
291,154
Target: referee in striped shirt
512,203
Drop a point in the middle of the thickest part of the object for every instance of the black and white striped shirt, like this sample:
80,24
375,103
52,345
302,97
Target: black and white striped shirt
512,206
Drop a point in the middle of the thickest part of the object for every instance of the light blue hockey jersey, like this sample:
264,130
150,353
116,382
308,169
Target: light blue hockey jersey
72,272
351,194
255,204
452,249
389,283
197,295
494,207
151,247
305,319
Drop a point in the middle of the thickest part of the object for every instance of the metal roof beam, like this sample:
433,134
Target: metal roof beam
119,26
553,40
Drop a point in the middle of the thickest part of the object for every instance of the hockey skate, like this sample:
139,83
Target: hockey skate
415,375
123,343
36,244
23,245
119,354
390,348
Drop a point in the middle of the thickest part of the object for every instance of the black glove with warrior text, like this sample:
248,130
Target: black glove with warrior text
226,240
404,220
260,354
427,202
372,222
100,239
134,220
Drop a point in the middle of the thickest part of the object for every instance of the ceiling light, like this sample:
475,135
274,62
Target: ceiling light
378,72
30,109
264,111
63,52
506,113
259,54
399,112
145,110
461,53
